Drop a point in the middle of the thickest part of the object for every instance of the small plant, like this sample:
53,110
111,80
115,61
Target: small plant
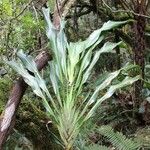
71,67
115,140
18,141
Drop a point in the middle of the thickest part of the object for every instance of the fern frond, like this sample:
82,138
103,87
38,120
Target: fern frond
96,147
117,139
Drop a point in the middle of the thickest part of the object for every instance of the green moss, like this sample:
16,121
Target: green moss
143,136
5,85
32,122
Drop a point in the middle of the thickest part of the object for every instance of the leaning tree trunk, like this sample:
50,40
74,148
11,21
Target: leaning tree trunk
139,49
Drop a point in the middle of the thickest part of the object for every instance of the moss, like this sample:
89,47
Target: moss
32,122
143,136
18,141
5,85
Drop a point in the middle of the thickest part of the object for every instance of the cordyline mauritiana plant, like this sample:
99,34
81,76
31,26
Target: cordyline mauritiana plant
69,70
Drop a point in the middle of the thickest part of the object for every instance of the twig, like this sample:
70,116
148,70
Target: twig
22,10
80,14
58,9
125,11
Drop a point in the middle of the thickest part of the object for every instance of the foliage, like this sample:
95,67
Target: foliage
96,147
35,124
93,137
5,84
21,26
118,139
18,141
70,69
142,136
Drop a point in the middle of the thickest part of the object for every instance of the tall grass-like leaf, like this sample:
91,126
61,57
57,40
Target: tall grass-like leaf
106,27
105,49
110,92
112,24
28,62
29,79
103,85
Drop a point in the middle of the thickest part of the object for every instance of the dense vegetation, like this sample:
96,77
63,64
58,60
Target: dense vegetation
94,93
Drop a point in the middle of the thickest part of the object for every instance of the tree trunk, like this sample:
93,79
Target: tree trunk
139,49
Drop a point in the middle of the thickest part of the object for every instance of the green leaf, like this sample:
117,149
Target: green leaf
27,61
97,33
117,139
112,24
103,85
29,79
127,81
107,47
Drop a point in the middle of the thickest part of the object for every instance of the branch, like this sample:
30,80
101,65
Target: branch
125,11
22,10
125,37
79,14
61,10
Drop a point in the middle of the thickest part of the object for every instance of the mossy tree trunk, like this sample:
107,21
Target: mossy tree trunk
139,47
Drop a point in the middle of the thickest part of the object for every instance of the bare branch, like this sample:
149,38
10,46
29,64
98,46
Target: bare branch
125,11
22,11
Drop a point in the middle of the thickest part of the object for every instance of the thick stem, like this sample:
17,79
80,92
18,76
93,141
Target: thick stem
117,51
68,148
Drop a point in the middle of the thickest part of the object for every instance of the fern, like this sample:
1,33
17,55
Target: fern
117,139
96,147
